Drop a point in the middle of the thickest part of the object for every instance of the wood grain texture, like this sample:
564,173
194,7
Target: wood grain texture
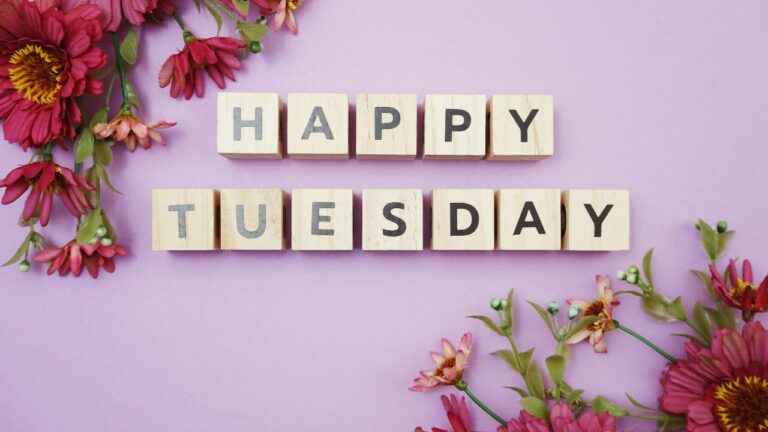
532,210
581,232
184,219
331,229
508,141
466,144
395,142
411,215
245,205
482,238
335,108
248,145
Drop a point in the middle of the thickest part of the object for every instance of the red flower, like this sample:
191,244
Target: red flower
45,58
73,256
134,11
457,412
562,419
740,292
184,70
724,387
46,180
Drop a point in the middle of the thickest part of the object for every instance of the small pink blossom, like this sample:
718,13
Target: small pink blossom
131,130
449,366
601,307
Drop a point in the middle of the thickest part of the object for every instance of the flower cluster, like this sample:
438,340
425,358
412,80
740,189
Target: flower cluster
53,56
721,385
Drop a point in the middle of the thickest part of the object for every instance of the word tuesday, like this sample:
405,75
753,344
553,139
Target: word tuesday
392,219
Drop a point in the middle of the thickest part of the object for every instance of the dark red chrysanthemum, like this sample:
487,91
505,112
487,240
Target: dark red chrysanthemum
45,57
134,11
73,256
46,179
184,70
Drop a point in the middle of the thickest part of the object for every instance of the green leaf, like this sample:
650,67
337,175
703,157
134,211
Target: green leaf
647,267
603,404
581,324
535,380
509,312
88,227
519,391
525,360
20,252
129,47
574,397
216,16
99,116
556,368
707,281
84,145
723,240
535,406
111,232
638,405
242,6
489,323
676,309
545,316
701,322
509,358
103,176
253,32
102,153
132,96
721,318
708,239
692,338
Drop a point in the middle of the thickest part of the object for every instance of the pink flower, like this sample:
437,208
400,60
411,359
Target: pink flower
449,366
184,70
134,11
724,387
283,12
128,128
73,256
741,292
562,419
46,56
457,412
46,180
601,307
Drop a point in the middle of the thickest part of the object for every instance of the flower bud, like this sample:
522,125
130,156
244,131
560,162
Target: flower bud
504,304
24,266
255,47
106,241
573,312
101,232
553,308
93,240
496,303
632,278
722,226
633,270
621,275
697,226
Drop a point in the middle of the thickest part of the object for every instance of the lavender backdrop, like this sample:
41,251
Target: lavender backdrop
665,99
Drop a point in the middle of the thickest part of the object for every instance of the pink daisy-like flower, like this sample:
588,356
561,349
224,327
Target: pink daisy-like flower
73,256
283,10
601,307
134,11
562,419
449,366
131,130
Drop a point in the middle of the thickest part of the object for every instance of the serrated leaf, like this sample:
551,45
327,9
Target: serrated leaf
129,47
253,32
708,239
581,324
519,391
603,404
647,267
84,145
535,406
20,252
488,323
509,312
545,316
88,227
556,368
638,405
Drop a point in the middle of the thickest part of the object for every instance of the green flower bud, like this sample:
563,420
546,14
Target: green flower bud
496,303
573,312
504,304
106,241
255,47
24,266
93,240
697,226
553,308
722,226
633,270
632,278
101,232
621,275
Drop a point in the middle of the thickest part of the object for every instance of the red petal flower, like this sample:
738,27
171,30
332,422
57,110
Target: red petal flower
134,11
184,70
45,57
73,256
741,292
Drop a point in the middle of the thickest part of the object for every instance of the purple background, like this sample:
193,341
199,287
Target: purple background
665,99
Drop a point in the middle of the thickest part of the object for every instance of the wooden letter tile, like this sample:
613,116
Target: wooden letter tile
596,220
463,219
248,125
386,126
252,219
318,126
393,219
528,219
321,219
522,127
184,219
454,127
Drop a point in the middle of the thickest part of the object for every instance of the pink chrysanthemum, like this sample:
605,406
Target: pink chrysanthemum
449,366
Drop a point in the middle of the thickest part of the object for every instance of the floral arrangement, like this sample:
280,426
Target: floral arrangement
54,64
721,385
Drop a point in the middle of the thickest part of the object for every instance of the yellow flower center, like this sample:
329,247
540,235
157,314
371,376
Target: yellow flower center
597,308
738,291
742,404
37,74
294,4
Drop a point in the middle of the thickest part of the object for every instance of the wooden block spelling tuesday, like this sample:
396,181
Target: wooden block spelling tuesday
318,126
321,219
184,219
248,125
521,127
596,220
393,219
462,219
528,219
386,126
454,127
252,219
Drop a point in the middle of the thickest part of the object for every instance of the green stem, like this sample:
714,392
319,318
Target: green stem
653,346
465,388
121,70
48,152
179,21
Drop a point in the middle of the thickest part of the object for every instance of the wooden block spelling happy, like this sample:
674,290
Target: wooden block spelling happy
184,219
393,219
386,126
318,126
528,219
321,219
521,127
596,220
463,219
252,219
454,127
248,125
